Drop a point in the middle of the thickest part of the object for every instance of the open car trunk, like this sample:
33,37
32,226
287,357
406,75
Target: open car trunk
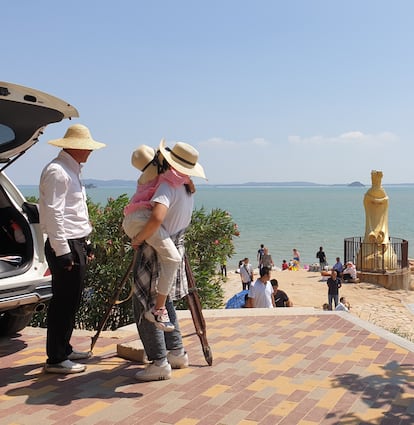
16,242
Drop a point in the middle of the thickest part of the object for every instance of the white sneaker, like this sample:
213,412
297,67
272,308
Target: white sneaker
78,355
154,373
160,319
178,362
65,367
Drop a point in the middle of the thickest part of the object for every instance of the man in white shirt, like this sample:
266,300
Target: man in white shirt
261,291
246,274
64,219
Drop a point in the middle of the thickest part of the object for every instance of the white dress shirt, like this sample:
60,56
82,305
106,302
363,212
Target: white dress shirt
62,203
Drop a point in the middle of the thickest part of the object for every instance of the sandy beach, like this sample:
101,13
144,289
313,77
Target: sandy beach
373,303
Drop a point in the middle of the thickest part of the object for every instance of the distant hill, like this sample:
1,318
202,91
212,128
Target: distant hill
356,184
132,183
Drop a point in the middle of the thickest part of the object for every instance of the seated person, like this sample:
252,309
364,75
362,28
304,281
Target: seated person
338,267
343,305
285,265
349,272
280,297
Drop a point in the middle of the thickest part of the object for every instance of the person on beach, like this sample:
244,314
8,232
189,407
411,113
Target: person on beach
261,291
296,256
280,297
349,273
322,258
266,260
246,274
260,253
285,265
338,267
138,212
64,218
171,208
334,283
343,305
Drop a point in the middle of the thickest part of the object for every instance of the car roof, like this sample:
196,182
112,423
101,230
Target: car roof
24,113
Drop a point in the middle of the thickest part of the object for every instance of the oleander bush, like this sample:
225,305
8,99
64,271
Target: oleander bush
209,242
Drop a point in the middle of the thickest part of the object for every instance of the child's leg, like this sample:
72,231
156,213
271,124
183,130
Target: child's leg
134,222
169,260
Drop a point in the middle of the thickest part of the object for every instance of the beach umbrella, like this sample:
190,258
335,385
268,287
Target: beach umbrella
238,300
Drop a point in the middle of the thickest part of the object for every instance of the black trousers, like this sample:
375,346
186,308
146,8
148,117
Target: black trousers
67,288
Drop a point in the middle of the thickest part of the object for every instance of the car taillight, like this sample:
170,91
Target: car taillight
47,272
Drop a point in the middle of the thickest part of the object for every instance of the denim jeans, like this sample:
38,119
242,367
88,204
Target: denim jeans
155,341
333,298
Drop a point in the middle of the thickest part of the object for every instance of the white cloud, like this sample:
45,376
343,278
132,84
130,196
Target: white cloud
348,138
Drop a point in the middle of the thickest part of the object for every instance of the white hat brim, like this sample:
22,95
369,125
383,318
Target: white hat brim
195,170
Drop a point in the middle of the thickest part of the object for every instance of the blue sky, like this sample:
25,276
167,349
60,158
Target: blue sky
267,91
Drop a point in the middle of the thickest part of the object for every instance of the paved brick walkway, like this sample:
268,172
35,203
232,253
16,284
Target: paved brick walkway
273,368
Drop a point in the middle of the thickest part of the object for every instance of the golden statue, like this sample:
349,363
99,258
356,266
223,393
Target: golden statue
376,252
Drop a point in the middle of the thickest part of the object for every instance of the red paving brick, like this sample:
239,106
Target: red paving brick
299,369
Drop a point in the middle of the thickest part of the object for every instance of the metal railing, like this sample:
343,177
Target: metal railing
378,258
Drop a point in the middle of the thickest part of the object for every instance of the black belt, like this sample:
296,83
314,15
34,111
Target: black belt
84,239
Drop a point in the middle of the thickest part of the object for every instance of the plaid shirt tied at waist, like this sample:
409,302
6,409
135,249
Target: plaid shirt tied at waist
146,273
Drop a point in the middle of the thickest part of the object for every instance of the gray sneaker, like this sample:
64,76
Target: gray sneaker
177,362
78,355
154,373
65,367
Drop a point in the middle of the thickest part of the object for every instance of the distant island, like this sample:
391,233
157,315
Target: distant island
94,183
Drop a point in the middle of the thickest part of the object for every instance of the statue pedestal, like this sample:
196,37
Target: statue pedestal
399,279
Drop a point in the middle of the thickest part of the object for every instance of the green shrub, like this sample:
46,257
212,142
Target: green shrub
208,243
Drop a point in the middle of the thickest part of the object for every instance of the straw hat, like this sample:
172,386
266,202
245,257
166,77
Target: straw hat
183,157
144,158
77,136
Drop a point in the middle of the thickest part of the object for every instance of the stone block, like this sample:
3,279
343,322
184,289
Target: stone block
132,351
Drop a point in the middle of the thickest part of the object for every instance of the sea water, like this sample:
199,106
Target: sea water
283,218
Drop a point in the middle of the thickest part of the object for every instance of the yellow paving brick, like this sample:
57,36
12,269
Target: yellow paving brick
303,422
284,408
334,338
403,399
289,362
283,323
216,390
315,383
366,352
311,320
396,348
262,347
187,421
372,415
373,336
282,384
376,369
246,422
226,355
92,408
31,359
341,358
262,365
304,334
331,398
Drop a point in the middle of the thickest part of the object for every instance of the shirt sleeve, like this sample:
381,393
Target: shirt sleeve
53,190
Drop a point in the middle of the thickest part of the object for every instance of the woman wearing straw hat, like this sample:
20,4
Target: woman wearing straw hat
64,219
138,212
171,208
